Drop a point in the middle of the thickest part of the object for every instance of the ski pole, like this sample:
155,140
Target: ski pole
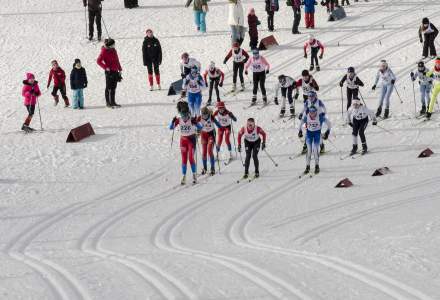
172,139
270,157
360,94
384,129
39,114
233,136
401,101
414,94
105,26
342,103
216,150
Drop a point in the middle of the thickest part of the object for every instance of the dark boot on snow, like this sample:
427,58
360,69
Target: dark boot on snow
423,110
304,150
322,148
354,150
387,113
312,67
364,148
307,170
282,112
292,111
379,111
317,169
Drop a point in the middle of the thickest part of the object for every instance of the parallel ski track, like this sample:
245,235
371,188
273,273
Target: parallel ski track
238,234
162,237
62,284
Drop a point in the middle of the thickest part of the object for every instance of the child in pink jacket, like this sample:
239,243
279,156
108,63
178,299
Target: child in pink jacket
31,92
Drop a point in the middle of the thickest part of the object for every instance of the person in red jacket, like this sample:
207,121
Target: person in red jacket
216,77
252,143
108,60
59,83
30,93
315,45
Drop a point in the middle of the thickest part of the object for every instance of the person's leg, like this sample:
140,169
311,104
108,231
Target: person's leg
312,20
150,72
283,99
349,97
240,72
197,19
256,148
248,148
156,72
91,23
432,50
98,24
204,142
202,21
382,96
389,91
363,126
309,141
184,154
211,151
81,98
211,86
434,94
255,88
425,47
235,72
262,77
423,89
64,95
228,138
217,92
220,138
198,103
191,150
113,86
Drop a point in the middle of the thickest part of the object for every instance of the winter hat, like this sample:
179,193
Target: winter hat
235,45
149,30
29,76
383,64
109,42
437,60
425,21
220,104
77,61
311,94
251,11
356,102
305,73
350,70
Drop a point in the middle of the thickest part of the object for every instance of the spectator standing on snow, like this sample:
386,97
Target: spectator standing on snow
152,56
95,11
200,8
271,7
296,6
253,22
236,21
109,61
309,13
78,82
427,34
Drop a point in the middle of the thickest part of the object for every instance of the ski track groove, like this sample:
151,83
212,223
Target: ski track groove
238,234
162,237
100,229
48,270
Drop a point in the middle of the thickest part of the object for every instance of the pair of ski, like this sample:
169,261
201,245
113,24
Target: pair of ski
255,104
248,178
233,93
353,155
308,174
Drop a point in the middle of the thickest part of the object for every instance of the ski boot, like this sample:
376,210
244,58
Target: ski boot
264,100
282,111
209,102
56,98
387,113
428,115
234,87
99,38
307,170
204,171
292,111
312,67
183,181
318,68
379,111
159,87
304,150
151,88
423,110
245,176
26,128
354,150
364,148
194,178
242,87
254,100
212,171
322,148
257,174
317,169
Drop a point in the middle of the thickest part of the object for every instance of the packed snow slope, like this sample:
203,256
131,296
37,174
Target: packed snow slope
106,218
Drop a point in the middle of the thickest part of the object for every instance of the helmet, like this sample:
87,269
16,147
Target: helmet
184,56
383,64
282,78
255,52
425,21
220,104
350,70
312,95
235,45
211,65
305,73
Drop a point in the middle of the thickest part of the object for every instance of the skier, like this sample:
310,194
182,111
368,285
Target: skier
387,78
427,34
353,84
435,74
271,7
192,85
188,138
425,83
187,64
315,45
312,100
252,143
30,92
358,116
307,84
109,61
309,13
239,59
260,67
253,22
152,57
313,121
224,118
216,77
59,83
286,84
207,121
95,12
78,82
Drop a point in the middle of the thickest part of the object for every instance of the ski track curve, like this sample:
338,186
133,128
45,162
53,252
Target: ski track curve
62,284
237,232
169,286
162,238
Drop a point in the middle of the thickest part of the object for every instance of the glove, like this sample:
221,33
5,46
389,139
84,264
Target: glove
224,62
300,116
263,146
220,84
341,84
296,96
326,134
350,124
267,71
300,134
239,148
246,72
305,55
107,69
393,81
182,75
412,76
373,87
275,100
174,120
85,85
375,122
321,56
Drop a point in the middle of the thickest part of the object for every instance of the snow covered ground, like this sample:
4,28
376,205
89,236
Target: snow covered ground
107,219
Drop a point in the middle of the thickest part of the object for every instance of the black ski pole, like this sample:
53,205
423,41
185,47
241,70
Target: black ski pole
103,22
270,157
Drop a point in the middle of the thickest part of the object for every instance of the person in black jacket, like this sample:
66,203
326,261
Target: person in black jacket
427,34
271,7
152,55
353,84
95,10
78,82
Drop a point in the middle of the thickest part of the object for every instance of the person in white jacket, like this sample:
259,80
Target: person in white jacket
387,79
358,116
236,21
